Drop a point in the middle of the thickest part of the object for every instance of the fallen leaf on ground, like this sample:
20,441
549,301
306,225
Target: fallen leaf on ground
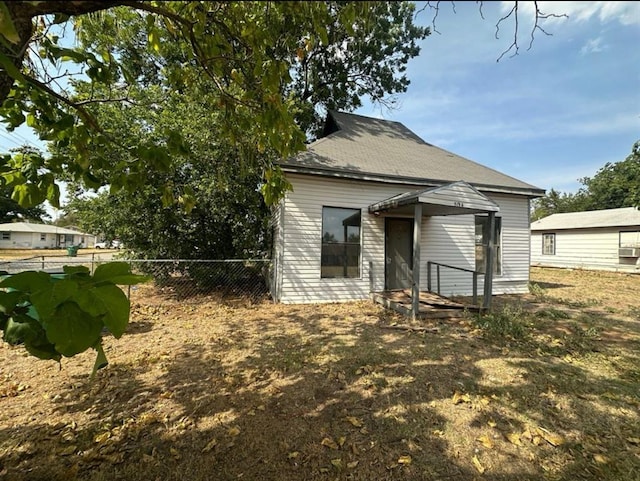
330,443
460,398
234,431
486,441
337,462
352,464
514,438
404,460
551,438
354,421
210,445
600,459
476,462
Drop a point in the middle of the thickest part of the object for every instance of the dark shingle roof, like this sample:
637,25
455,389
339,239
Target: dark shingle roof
364,147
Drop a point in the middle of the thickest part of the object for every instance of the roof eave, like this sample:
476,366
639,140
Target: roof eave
327,172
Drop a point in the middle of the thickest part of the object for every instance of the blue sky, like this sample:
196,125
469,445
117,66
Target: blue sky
548,116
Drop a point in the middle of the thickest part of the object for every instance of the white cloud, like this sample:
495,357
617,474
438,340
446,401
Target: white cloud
593,46
626,13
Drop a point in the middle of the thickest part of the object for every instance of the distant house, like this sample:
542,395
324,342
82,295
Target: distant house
26,235
599,239
374,208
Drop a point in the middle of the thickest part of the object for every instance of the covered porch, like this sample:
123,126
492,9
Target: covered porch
418,298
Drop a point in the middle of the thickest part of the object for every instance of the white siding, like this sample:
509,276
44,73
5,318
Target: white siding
32,240
584,249
278,250
19,240
448,240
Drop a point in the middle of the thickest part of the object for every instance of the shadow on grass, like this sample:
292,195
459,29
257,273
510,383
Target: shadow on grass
317,394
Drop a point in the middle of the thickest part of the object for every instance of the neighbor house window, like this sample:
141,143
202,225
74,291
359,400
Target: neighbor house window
43,237
340,242
5,235
549,244
482,243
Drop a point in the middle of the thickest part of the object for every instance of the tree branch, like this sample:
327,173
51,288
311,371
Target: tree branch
86,116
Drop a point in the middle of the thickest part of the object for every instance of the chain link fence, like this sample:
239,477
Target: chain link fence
181,280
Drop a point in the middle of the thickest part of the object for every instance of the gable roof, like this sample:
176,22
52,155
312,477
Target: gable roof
37,228
359,147
450,199
625,216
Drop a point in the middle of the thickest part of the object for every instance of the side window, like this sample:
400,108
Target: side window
549,244
340,242
5,235
482,243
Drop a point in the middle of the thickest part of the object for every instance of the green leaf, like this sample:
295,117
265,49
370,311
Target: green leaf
8,301
47,300
101,360
7,28
117,308
13,71
76,270
72,330
111,270
53,195
22,329
27,195
28,281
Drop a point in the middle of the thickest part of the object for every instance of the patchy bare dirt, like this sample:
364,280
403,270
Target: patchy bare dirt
544,388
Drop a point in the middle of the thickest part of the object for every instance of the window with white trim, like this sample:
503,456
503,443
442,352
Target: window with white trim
43,237
549,244
340,255
5,235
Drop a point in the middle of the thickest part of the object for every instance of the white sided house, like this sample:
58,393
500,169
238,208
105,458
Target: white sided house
597,240
27,235
375,208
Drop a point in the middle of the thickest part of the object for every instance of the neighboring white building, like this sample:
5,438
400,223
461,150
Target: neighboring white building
371,201
598,239
27,235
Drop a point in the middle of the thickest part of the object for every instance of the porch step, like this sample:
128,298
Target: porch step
432,306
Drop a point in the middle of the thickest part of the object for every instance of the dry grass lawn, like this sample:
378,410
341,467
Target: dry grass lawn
19,254
547,387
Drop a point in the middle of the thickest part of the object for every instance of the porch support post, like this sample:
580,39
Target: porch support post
415,285
488,270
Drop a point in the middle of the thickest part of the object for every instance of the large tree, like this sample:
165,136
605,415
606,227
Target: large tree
252,55
216,179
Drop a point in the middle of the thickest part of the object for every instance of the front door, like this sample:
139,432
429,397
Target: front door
398,253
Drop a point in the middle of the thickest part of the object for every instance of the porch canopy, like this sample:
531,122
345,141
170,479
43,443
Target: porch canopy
456,198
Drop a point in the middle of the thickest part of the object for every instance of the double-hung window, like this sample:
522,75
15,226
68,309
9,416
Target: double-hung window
482,243
549,244
340,242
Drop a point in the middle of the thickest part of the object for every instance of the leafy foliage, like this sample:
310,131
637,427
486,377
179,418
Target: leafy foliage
56,315
248,57
210,200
